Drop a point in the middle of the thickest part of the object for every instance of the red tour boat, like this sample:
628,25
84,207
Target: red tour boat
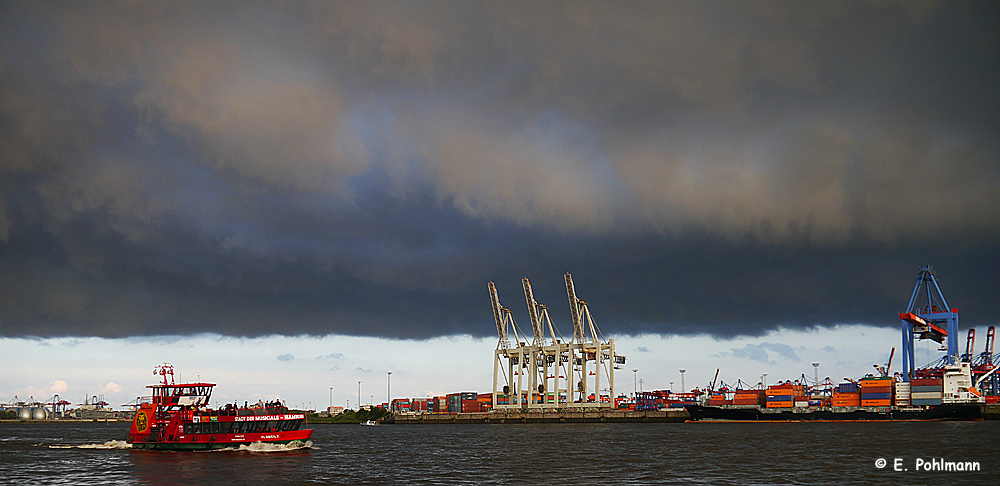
178,418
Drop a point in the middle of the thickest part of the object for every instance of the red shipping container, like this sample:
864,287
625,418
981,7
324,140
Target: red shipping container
470,406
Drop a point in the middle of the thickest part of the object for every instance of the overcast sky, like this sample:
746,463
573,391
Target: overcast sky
717,170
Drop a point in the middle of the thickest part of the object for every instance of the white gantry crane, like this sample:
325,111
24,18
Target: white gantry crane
548,371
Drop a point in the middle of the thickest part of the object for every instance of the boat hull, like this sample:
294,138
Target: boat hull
948,411
223,442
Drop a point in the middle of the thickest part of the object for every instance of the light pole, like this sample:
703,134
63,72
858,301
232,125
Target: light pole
359,395
634,375
331,397
388,389
763,379
816,368
671,387
682,380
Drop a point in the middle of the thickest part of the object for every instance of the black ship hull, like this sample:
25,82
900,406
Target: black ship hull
948,411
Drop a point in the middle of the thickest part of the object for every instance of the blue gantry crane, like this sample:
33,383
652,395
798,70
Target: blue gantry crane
928,317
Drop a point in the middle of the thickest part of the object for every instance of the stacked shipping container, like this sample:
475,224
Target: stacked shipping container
846,395
418,405
902,397
786,395
926,391
876,391
750,397
718,399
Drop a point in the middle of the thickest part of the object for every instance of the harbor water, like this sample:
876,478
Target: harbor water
661,453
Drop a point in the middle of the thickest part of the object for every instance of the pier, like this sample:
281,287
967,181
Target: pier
543,417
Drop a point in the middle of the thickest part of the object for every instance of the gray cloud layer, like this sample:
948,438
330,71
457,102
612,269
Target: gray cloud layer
366,168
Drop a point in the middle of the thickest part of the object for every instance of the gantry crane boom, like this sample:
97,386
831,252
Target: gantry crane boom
574,309
498,316
536,326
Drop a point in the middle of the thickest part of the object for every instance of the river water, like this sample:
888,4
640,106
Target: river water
610,454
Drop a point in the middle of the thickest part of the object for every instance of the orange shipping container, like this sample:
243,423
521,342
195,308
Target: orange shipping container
876,403
780,404
846,403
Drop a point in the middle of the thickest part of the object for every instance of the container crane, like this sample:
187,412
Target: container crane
885,371
969,346
928,316
984,363
547,366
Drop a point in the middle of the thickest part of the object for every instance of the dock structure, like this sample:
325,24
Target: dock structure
545,416
548,371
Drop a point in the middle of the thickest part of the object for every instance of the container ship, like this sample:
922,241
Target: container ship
952,388
949,397
177,418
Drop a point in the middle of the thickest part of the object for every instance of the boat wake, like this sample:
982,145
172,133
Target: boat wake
266,447
111,444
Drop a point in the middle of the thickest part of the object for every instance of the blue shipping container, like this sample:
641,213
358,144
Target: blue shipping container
781,398
925,388
926,401
847,388
876,396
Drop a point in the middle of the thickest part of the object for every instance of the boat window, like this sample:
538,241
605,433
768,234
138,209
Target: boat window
188,428
271,425
227,427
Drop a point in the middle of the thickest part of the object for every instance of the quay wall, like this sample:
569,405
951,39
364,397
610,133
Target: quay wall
546,417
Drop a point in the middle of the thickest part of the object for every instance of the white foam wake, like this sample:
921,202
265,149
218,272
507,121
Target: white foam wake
111,444
269,447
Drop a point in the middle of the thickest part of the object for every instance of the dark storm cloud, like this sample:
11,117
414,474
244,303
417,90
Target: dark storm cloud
366,168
